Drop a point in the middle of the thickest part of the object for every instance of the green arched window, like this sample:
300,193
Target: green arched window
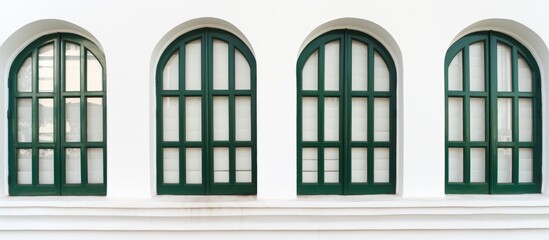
346,138
206,108
57,118
493,116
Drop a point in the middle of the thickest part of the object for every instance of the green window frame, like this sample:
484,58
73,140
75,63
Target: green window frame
57,118
493,116
206,115
349,75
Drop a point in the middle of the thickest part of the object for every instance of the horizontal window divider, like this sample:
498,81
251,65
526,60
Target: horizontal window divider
95,145
243,144
311,94
478,144
31,145
526,144
170,144
243,93
331,144
73,145
221,144
193,144
331,94
221,92
93,94
506,144
381,144
478,94
505,94
192,93
525,95
309,144
457,144
71,94
38,95
456,93
170,93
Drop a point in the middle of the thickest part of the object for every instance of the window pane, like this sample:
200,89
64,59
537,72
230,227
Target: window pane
24,76
455,119
193,118
45,120
72,166
331,165
193,65
505,160
525,120
505,120
381,119
94,73
504,68
331,66
221,164
45,68
331,119
359,66
381,165
24,120
359,165
455,164
310,73
220,65
95,119
309,165
221,118
171,165
309,118
477,119
478,168
72,119
95,165
170,76
244,164
45,166
381,74
24,166
455,73
242,72
359,119
193,165
170,118
476,66
72,67
525,165
243,118
524,75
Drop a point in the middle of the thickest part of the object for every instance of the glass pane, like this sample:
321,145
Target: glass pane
24,120
243,118
94,73
505,120
95,165
477,119
242,72
310,73
455,119
72,67
381,74
310,121
359,119
455,164
505,166
359,66
331,119
72,166
220,65
170,118
526,165
221,164
72,119
476,66
478,168
381,119
221,118
331,165
504,68
95,119
193,65
171,165
170,76
455,73
193,118
359,165
193,165
24,166
381,165
45,69
525,119
45,120
244,164
309,165
45,166
331,66
24,76
524,75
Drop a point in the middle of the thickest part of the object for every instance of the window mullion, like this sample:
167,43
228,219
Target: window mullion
207,122
345,161
493,99
83,118
182,119
232,106
370,126
515,116
466,117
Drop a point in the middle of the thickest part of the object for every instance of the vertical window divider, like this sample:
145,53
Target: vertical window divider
515,115
207,80
346,172
370,126
232,105
466,117
182,108
83,118
320,114
493,139
34,107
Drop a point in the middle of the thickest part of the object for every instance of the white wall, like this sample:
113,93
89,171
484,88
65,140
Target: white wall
132,35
